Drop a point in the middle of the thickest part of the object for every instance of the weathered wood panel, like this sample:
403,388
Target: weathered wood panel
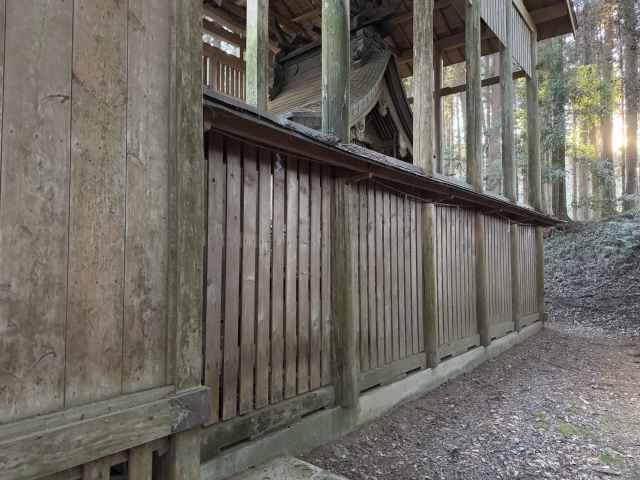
269,219
97,202
498,291
385,232
528,271
34,172
455,280
494,13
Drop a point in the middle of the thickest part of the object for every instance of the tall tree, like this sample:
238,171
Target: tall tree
630,54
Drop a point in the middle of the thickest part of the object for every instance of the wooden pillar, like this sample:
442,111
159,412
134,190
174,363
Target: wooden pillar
515,275
437,108
187,232
257,53
472,31
533,127
423,121
540,272
481,280
429,284
506,90
336,67
344,352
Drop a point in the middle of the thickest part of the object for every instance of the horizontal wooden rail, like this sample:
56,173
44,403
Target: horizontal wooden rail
54,443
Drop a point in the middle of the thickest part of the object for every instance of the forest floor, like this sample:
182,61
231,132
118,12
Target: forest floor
563,405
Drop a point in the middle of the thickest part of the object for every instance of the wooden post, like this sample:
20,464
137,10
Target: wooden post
429,284
344,351
257,53
473,40
540,272
336,67
423,85
506,90
481,280
437,108
515,275
187,195
535,167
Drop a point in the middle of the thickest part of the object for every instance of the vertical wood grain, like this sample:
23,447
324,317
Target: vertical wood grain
303,279
277,280
315,257
291,280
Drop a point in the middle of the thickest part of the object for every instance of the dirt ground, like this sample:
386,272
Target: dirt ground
563,405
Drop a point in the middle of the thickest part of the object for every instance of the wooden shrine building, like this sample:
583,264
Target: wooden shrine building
225,234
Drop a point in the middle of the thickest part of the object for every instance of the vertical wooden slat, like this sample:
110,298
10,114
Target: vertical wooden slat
248,279
263,286
413,272
380,277
327,194
277,280
371,287
215,270
387,252
429,273
303,279
412,333
233,242
354,215
146,254
440,254
421,309
402,334
363,276
395,328
97,470
140,462
291,280
315,341
97,203
34,176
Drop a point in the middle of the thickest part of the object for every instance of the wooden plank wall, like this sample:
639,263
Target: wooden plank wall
83,201
528,290
457,323
497,242
223,73
521,41
494,13
387,239
268,306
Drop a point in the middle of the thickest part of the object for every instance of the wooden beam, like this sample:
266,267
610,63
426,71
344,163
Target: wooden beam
474,95
437,110
533,127
506,92
482,278
487,82
225,18
257,54
515,274
423,86
313,13
549,13
524,13
429,254
336,68
77,436
216,30
540,273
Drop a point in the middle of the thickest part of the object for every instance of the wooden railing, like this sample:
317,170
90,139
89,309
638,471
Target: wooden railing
223,73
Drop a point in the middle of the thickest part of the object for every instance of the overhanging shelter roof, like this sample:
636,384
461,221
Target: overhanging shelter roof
301,21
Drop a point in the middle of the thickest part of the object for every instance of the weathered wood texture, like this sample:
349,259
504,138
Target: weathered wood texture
223,72
509,173
268,277
494,14
498,283
84,201
257,53
521,41
387,335
528,271
423,103
473,120
456,280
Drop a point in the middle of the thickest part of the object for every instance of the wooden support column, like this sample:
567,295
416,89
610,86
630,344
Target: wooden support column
481,280
437,108
506,90
473,39
336,67
344,352
515,275
540,272
423,121
187,235
533,126
257,53
429,284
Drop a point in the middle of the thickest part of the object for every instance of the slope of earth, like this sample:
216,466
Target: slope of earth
563,405
592,276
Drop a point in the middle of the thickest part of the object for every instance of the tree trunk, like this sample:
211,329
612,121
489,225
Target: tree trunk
558,155
606,170
630,55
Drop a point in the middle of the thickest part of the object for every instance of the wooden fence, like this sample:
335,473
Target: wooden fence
498,291
528,310
457,323
223,72
386,240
